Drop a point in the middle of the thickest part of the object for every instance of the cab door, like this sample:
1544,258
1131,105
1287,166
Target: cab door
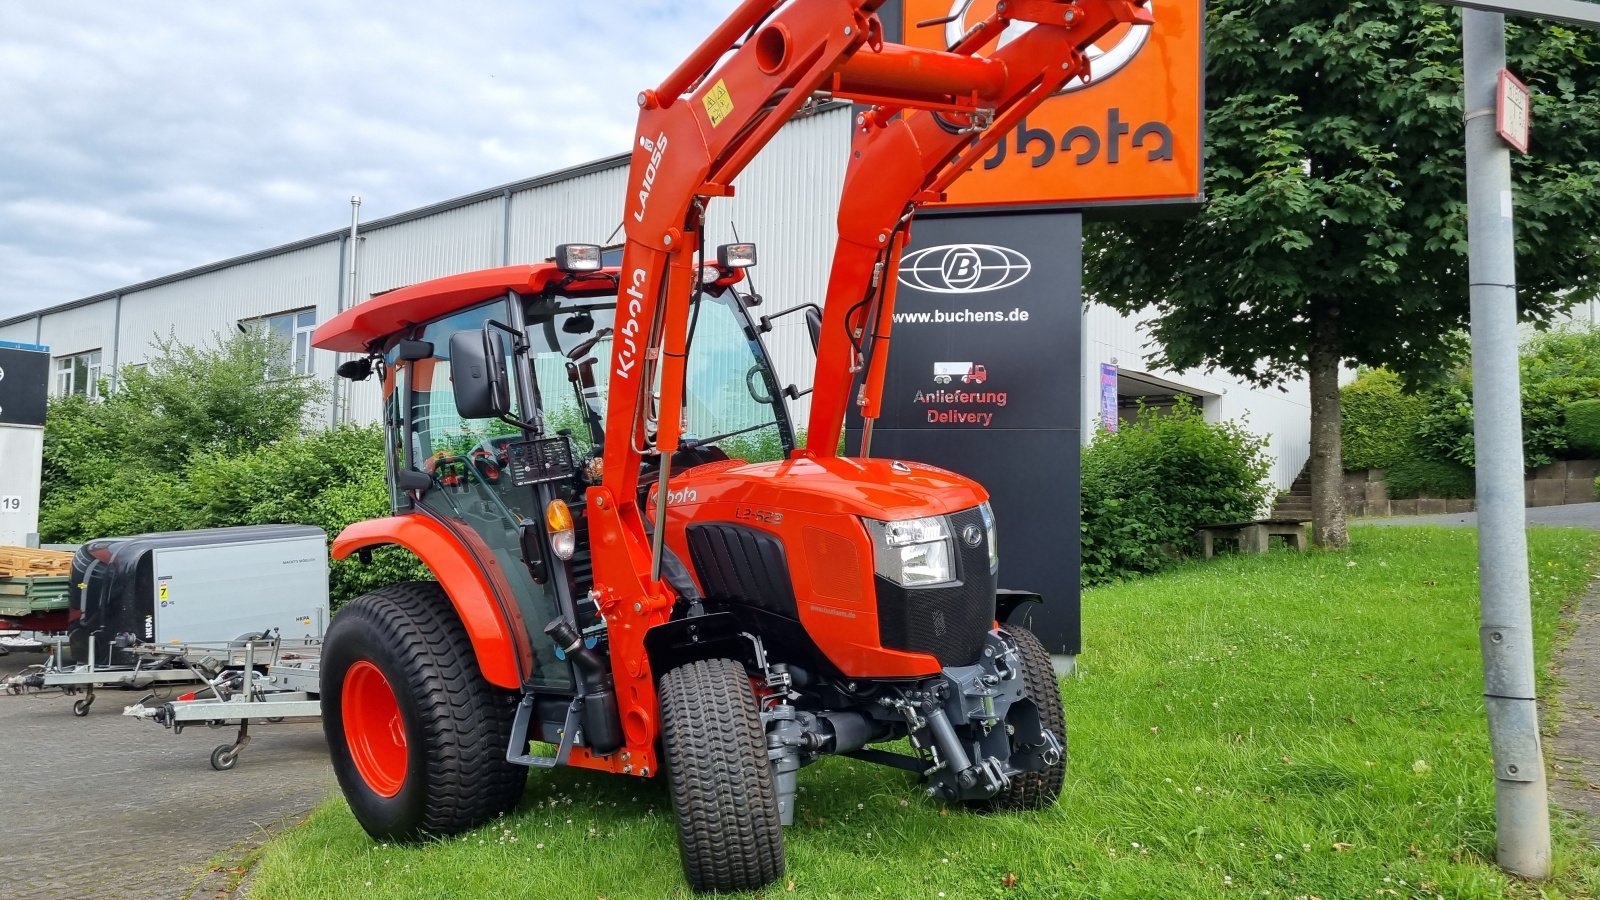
471,492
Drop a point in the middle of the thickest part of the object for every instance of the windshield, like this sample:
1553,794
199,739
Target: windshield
730,397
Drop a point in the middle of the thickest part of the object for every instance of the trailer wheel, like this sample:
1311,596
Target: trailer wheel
223,758
1040,789
729,829
418,737
80,708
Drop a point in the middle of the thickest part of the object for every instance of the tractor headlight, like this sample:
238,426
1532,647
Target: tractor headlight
987,513
912,552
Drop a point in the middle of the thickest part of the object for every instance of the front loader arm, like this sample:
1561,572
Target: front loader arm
696,132
899,162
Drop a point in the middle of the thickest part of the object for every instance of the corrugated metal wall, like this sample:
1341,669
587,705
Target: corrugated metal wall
199,309
445,243
21,332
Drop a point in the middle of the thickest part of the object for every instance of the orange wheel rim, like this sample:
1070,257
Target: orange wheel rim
373,729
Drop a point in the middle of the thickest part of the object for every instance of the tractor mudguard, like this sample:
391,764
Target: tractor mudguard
711,636
1007,602
464,581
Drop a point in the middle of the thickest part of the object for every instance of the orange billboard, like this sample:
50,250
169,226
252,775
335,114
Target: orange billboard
1130,136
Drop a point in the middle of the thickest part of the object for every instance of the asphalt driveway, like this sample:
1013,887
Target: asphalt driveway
109,807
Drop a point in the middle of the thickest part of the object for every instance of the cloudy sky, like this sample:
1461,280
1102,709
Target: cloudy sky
143,138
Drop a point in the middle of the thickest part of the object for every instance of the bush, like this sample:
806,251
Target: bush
1583,427
1558,369
1150,484
1421,477
1379,421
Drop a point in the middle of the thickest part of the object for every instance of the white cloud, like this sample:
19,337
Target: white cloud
141,139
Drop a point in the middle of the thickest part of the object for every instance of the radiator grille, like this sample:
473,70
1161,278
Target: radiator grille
949,622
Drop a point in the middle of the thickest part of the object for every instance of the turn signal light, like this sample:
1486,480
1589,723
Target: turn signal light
558,523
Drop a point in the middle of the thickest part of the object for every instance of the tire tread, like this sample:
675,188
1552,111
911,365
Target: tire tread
730,831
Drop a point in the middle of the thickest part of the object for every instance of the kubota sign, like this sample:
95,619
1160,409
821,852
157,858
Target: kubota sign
1132,135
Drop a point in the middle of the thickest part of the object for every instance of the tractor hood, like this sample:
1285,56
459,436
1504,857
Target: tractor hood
876,488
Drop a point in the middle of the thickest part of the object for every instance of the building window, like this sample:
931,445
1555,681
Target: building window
78,374
291,331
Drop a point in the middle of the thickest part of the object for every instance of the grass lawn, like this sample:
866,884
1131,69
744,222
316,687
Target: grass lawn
1286,726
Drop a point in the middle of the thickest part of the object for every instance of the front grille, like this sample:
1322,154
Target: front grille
949,621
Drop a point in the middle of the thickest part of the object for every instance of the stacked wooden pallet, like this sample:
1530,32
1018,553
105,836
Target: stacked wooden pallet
24,562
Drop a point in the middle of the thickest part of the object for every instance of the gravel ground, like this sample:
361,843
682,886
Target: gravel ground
109,807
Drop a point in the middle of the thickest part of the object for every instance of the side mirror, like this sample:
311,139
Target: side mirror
478,374
814,326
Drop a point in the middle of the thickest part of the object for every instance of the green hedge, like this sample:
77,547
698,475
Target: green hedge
1379,421
1420,477
1583,427
1150,484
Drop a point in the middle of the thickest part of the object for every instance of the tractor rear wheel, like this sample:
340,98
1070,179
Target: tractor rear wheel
418,737
1038,789
729,829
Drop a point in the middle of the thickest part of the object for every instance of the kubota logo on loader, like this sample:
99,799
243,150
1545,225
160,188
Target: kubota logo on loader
627,345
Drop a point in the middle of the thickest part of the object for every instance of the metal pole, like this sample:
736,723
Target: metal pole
349,299
1522,813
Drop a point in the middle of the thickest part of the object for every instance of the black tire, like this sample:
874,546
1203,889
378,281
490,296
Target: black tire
456,725
1040,789
80,708
730,832
223,758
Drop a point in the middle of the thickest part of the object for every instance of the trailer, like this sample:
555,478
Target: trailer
196,588
273,681
173,608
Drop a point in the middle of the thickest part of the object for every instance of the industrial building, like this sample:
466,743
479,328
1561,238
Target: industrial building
786,203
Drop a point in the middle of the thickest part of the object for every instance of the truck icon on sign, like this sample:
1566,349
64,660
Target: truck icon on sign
968,372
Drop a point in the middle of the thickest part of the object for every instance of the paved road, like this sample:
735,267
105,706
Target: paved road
1576,515
108,807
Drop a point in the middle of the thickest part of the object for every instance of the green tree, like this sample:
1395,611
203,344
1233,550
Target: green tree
117,465
1335,225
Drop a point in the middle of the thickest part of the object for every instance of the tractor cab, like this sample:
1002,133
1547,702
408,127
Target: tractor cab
495,405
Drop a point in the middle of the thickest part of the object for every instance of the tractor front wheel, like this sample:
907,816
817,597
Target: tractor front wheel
418,737
729,828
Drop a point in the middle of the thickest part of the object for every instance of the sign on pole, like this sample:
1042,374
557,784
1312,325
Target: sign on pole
1512,111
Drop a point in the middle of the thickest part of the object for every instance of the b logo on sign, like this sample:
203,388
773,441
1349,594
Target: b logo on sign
963,268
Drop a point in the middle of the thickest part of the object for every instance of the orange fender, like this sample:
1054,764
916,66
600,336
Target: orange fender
498,647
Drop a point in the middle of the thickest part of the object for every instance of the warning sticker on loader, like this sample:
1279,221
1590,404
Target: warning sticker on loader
161,590
718,102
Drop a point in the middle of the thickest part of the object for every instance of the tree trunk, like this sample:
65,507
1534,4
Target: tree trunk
1327,456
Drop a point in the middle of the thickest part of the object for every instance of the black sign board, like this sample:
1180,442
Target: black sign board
985,379
24,383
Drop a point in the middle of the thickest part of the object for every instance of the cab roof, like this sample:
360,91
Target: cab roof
359,327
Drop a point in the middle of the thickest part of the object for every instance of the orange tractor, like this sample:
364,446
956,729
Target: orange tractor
568,454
